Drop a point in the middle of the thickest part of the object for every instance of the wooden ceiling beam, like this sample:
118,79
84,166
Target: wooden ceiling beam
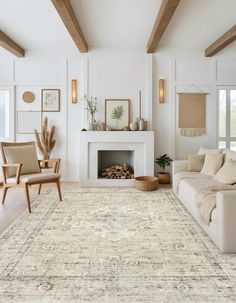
164,16
221,42
68,17
11,46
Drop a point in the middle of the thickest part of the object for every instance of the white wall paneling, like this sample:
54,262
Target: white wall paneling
149,92
226,72
107,73
6,73
75,118
204,74
85,90
195,71
37,72
21,105
119,75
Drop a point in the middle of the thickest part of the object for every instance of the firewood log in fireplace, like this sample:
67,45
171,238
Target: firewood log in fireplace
118,172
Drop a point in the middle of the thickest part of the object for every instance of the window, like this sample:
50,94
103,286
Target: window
4,113
226,134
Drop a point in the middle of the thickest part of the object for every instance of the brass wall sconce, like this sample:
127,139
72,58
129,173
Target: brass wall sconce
161,91
74,95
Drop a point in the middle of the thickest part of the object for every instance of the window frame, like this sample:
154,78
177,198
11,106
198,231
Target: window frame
227,139
7,138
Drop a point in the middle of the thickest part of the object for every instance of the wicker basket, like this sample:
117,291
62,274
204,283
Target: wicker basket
146,183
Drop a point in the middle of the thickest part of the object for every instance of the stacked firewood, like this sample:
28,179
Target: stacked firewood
117,172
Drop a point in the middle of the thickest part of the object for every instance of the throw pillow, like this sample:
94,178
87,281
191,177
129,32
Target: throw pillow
203,151
212,164
195,162
227,173
229,155
26,155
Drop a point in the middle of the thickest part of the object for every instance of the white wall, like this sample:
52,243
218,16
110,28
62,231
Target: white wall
107,73
111,74
192,73
104,74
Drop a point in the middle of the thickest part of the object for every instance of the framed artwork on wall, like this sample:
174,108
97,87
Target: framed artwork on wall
117,113
27,121
50,100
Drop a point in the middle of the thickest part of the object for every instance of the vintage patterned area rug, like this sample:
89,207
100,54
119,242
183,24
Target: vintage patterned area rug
112,246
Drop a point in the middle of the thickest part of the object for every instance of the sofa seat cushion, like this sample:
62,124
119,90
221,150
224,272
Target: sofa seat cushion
190,175
188,189
185,175
191,186
34,177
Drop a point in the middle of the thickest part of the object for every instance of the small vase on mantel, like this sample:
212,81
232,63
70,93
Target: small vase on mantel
92,109
141,124
134,125
90,125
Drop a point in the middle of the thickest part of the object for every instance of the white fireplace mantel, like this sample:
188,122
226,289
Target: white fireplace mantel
141,143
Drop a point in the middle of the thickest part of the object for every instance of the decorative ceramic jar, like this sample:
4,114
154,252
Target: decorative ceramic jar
141,125
133,126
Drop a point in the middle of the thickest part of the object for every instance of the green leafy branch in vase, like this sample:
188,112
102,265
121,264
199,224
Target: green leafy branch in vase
91,107
117,113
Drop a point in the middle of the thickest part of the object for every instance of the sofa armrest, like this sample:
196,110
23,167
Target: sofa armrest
226,222
178,166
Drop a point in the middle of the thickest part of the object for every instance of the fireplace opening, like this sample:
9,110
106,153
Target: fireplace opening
116,164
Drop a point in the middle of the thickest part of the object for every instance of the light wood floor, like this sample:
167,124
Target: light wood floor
15,203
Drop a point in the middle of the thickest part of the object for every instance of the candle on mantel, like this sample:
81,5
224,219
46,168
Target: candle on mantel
139,104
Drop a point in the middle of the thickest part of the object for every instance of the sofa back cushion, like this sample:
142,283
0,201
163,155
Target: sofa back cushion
26,155
227,173
229,155
212,164
195,163
215,151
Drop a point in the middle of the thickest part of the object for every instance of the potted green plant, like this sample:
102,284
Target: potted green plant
163,161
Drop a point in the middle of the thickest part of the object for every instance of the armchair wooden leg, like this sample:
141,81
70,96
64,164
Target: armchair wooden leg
59,189
39,190
27,196
5,189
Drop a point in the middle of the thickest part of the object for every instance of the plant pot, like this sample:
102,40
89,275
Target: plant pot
164,178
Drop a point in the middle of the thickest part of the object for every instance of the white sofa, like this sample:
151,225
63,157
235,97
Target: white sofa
222,228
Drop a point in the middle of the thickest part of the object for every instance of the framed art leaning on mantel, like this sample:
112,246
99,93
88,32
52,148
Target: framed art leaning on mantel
117,113
50,100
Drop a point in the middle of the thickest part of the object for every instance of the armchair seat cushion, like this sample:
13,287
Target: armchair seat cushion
28,178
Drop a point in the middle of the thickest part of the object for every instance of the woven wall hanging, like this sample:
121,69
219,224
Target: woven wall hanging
192,114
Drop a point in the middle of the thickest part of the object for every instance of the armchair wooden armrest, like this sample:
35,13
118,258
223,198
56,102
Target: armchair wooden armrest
17,166
54,162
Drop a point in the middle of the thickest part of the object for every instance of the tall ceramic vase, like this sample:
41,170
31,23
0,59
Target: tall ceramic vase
91,123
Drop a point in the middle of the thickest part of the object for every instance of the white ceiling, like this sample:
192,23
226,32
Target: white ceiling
36,26
198,23
116,23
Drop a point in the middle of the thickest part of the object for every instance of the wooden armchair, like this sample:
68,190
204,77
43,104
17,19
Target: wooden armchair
21,168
